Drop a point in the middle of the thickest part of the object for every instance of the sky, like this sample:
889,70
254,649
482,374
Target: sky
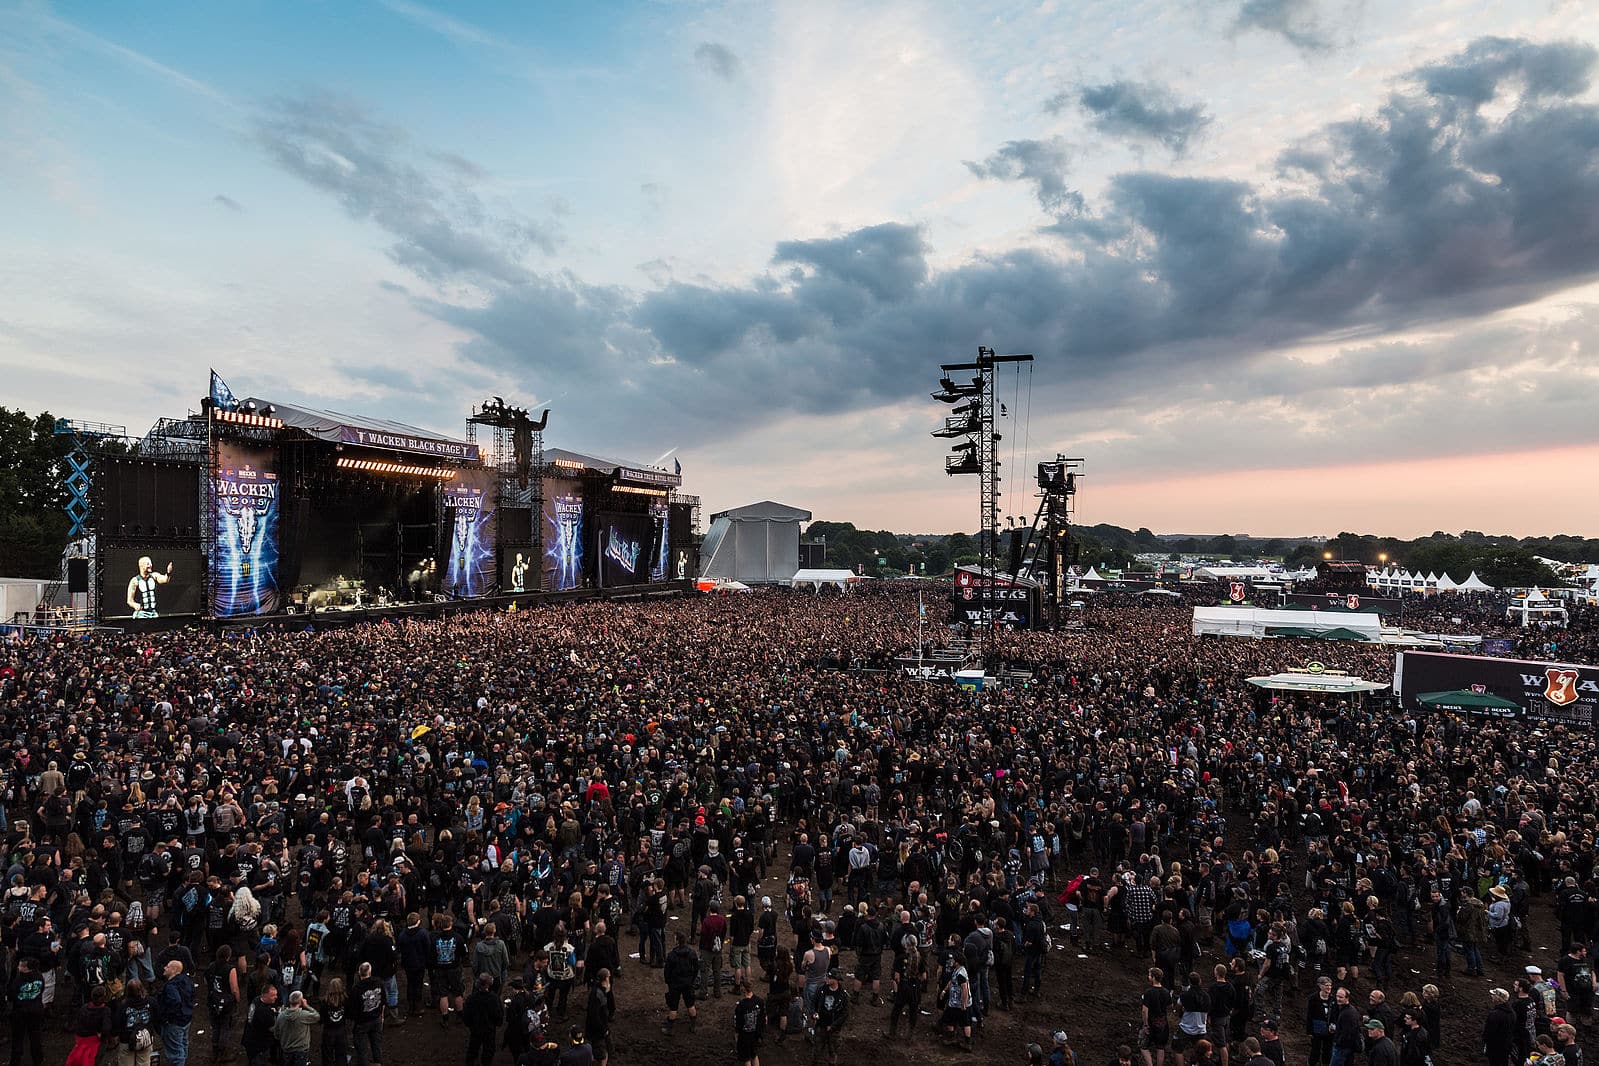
1286,266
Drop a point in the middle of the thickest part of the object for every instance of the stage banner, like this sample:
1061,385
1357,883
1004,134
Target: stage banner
245,559
661,520
1543,692
563,534
624,549
468,515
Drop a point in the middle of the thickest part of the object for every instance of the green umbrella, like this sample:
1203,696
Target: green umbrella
1465,697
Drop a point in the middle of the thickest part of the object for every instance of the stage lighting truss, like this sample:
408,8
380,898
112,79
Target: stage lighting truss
245,418
376,466
571,464
638,491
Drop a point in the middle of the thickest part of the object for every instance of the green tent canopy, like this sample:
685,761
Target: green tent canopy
1336,633
1465,697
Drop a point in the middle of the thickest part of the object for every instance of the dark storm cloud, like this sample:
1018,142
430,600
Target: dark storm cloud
442,226
1142,111
718,59
1299,22
1041,164
1431,208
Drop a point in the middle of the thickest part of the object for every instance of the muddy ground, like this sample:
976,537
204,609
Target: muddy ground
1095,1000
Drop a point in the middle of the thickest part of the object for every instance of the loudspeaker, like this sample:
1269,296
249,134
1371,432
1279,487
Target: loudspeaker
77,575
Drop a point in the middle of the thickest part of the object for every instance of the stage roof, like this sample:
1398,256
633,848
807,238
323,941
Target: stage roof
360,430
631,471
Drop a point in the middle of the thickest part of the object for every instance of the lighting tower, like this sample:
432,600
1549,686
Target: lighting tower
978,453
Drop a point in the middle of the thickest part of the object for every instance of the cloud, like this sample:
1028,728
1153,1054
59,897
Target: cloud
228,202
1139,111
1476,76
1429,208
442,226
1299,22
719,60
1042,164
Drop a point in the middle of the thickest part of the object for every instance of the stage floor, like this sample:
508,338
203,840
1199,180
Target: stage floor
335,617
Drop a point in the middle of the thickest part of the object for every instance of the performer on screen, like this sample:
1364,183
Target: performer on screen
519,574
141,589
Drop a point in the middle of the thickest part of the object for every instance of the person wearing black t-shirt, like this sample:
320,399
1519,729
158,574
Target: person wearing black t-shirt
369,999
749,1022
1156,1013
259,1021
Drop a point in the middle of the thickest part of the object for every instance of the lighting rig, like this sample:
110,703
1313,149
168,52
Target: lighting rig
976,452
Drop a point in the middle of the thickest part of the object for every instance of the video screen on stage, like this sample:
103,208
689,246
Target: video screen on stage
134,497
680,538
624,549
151,582
469,523
246,555
518,570
563,535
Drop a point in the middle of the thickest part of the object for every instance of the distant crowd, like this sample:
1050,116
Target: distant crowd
516,824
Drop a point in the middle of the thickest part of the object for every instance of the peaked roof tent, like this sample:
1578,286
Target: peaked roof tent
765,511
1475,584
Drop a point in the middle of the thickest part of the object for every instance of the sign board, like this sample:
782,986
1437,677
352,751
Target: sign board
1553,693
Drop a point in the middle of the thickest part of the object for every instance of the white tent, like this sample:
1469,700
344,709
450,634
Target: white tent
1475,584
817,578
758,543
1092,575
1432,579
1446,583
1304,681
1234,573
1255,621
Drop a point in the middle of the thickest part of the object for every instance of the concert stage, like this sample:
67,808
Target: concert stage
258,510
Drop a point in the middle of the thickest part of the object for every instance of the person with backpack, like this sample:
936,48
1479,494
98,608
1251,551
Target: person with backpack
222,1001
563,970
749,1023
132,1024
445,958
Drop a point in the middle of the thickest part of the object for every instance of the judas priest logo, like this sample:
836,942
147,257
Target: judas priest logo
622,552
1560,686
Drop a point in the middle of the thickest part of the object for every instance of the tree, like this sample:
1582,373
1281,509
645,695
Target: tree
33,526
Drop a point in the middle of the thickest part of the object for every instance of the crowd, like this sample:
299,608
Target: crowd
511,824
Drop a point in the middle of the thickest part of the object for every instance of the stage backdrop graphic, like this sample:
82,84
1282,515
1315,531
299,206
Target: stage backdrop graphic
624,549
563,534
245,566
181,592
469,521
661,518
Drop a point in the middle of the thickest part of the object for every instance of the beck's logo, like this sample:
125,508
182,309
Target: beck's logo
1560,687
1236,592
1353,602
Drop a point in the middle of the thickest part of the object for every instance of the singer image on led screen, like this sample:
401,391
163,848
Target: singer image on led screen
141,588
519,574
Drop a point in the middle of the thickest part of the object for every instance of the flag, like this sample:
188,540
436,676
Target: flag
221,395
677,468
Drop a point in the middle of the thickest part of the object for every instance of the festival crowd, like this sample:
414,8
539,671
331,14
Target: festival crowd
511,824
